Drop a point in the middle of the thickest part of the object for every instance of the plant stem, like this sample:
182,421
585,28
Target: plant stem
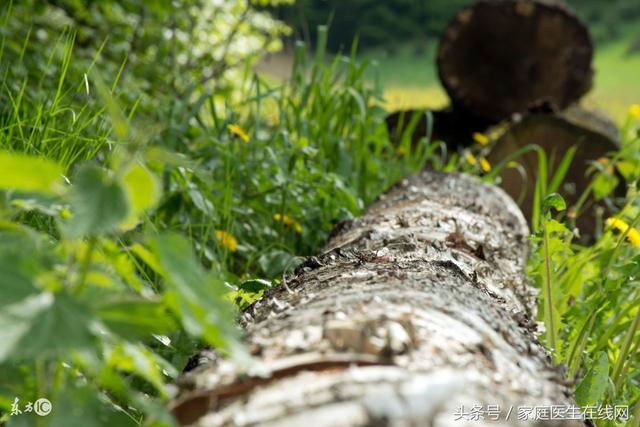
86,264
627,365
580,344
551,334
624,352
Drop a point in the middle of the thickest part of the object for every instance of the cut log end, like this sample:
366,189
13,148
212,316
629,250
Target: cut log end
594,135
497,58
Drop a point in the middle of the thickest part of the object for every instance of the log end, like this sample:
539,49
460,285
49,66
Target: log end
497,58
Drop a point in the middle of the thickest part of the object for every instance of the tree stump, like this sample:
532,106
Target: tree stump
498,57
410,316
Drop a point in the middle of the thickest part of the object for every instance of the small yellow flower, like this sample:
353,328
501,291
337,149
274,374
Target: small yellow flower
604,161
237,131
633,235
288,221
226,240
481,138
634,111
401,151
470,159
485,165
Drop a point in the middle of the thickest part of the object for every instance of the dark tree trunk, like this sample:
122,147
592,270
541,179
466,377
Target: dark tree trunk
417,308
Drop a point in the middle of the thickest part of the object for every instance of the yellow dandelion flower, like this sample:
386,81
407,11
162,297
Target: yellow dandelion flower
481,138
634,111
226,240
288,221
470,159
237,131
633,235
485,165
297,228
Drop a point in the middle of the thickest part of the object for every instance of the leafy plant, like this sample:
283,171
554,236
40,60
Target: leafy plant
589,293
126,236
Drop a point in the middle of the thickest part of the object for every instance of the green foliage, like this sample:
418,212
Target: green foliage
594,384
98,202
590,294
128,232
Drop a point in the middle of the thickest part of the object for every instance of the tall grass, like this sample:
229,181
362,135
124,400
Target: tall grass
133,234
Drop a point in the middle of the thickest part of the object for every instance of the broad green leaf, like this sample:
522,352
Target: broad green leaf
43,324
16,320
83,407
603,185
197,297
248,292
16,282
135,318
143,191
592,387
255,285
99,203
30,174
138,360
627,169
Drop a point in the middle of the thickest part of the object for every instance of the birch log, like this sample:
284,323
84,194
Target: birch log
412,311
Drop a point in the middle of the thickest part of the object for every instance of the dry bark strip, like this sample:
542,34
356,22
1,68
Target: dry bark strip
413,310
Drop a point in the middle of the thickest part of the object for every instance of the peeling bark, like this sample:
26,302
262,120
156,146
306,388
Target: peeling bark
414,309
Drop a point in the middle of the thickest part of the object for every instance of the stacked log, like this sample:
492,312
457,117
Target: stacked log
521,66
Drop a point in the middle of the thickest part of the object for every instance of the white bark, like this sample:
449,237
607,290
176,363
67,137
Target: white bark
413,310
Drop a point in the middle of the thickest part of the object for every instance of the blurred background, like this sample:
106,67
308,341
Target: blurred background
401,37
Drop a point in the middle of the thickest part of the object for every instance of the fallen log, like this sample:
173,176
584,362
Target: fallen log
411,315
498,57
594,136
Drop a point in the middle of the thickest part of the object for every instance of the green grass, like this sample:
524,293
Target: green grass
136,237
617,81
